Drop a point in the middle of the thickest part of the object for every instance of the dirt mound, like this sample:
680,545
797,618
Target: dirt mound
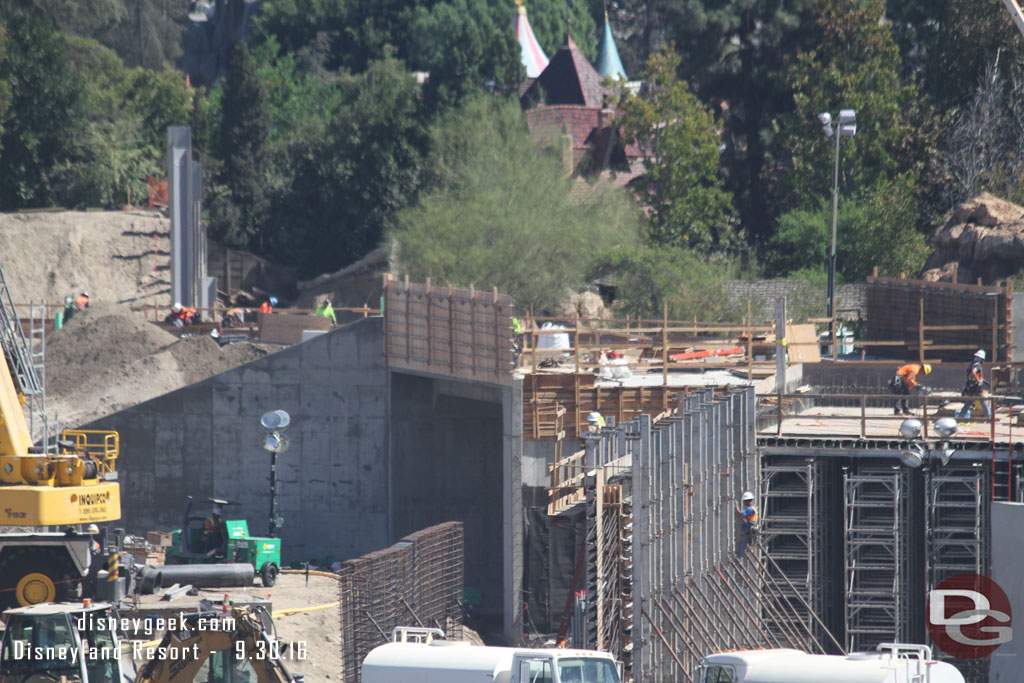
983,238
108,358
114,255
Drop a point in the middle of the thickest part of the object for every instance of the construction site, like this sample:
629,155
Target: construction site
442,471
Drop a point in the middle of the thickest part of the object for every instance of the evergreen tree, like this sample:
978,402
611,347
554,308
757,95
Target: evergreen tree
239,204
44,122
677,138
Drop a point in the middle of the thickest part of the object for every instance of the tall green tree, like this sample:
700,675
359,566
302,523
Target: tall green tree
856,66
677,138
239,203
501,212
367,166
44,122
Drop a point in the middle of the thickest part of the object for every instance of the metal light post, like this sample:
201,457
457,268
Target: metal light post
274,442
847,128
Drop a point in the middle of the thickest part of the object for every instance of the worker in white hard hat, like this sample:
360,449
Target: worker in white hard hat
975,387
747,512
82,301
595,421
182,315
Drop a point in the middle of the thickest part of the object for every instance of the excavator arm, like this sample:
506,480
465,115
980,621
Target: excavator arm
242,635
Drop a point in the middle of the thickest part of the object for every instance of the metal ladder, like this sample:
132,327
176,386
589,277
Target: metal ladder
26,358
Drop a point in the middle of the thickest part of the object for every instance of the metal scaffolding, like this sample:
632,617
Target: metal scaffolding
877,606
792,530
956,521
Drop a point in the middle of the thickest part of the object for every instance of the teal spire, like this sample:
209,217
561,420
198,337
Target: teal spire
608,62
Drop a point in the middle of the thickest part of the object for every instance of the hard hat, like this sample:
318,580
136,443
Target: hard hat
980,353
927,368
176,306
92,529
748,496
85,294
273,301
594,417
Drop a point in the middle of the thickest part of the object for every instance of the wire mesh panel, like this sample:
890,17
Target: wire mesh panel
415,582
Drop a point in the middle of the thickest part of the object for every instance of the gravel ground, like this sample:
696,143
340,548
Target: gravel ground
317,632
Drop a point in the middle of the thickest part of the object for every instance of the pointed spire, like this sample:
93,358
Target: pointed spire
608,62
533,56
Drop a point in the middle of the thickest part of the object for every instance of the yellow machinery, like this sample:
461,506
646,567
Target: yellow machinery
75,485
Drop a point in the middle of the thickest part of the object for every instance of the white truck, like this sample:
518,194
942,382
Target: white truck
434,660
891,663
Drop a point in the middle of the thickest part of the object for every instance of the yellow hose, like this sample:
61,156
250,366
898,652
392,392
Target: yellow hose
299,610
312,572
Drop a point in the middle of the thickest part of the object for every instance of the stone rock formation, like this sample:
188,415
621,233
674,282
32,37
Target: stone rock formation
983,238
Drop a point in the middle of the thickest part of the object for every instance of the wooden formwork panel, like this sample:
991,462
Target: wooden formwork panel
449,331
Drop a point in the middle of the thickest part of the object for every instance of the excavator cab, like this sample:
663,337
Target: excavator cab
61,642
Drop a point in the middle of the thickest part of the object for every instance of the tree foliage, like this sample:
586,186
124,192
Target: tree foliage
239,203
677,138
501,214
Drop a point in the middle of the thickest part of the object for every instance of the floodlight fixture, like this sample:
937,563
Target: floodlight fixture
825,118
277,420
945,427
911,428
912,455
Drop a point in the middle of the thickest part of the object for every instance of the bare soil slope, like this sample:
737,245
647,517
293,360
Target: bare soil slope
114,255
108,358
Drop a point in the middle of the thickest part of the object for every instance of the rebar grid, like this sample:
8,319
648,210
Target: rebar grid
415,582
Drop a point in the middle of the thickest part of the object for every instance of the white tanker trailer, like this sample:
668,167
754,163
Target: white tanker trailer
891,663
432,660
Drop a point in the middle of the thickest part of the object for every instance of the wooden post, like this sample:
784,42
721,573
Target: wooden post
863,416
472,327
451,330
576,345
995,329
533,341
1008,321
576,398
920,330
750,345
408,332
430,324
874,271
664,345
536,411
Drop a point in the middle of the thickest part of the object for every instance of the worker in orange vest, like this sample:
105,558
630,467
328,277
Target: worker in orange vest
904,382
268,305
182,315
82,301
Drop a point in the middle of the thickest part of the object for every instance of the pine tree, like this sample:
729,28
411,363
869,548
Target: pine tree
240,203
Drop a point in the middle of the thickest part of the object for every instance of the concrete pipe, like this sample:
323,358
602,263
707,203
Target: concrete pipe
153,578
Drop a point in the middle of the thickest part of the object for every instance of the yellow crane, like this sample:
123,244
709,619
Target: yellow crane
73,484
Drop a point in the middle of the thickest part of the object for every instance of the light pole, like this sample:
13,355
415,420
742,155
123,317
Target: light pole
847,128
274,442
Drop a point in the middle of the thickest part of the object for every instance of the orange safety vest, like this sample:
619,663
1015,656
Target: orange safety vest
909,374
265,307
81,302
186,314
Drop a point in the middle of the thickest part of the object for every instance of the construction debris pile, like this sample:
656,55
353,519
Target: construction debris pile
108,358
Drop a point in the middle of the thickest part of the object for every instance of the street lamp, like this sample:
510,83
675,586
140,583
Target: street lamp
274,442
845,128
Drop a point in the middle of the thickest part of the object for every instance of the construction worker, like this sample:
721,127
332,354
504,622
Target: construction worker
213,528
975,386
69,307
181,315
82,301
747,512
325,310
904,382
268,305
595,421
233,317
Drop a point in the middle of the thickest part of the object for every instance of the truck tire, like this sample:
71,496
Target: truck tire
268,575
34,575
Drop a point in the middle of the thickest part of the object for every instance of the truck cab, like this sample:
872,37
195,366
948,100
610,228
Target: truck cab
76,643
434,660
